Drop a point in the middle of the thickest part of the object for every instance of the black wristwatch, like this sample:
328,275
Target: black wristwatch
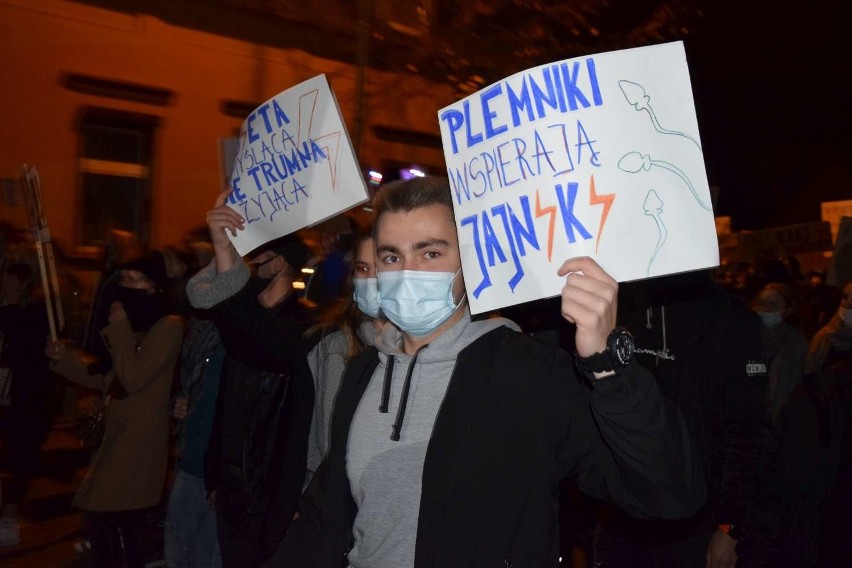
619,352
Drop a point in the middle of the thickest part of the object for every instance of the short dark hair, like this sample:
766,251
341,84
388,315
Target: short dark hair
407,195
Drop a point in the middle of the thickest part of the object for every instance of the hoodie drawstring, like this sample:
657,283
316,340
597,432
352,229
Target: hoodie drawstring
648,325
403,398
383,407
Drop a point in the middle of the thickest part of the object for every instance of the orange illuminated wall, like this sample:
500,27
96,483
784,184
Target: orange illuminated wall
58,58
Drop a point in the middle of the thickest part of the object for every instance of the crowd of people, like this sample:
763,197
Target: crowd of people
690,420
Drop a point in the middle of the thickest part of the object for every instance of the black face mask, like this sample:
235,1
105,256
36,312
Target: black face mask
143,309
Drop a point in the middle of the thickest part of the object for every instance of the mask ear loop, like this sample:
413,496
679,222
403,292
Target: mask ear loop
464,296
378,289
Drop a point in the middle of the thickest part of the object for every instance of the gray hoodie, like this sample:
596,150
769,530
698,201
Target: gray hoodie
385,475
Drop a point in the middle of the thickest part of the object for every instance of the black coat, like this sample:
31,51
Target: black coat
801,517
258,446
716,378
516,419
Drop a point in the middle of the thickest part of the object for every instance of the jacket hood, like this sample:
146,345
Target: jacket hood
368,333
438,358
446,346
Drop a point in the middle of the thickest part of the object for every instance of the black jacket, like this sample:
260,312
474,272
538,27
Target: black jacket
516,419
258,448
801,517
715,376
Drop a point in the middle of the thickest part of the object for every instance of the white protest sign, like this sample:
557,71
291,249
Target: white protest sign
227,151
295,166
597,156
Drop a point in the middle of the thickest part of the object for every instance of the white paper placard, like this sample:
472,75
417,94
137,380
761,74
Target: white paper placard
295,166
594,156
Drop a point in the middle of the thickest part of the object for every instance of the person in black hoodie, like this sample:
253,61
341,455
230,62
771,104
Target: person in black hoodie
703,346
256,461
451,433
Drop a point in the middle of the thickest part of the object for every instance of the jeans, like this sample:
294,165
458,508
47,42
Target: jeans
190,536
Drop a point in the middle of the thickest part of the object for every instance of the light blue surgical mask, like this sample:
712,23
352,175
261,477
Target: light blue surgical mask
366,295
770,319
417,301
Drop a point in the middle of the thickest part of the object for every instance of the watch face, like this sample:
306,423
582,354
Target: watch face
623,346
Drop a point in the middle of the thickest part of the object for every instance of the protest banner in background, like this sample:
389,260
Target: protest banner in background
840,269
777,242
833,211
596,156
295,165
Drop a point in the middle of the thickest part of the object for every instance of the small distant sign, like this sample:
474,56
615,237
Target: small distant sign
833,211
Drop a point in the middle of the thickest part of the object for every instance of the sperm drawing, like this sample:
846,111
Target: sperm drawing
640,100
653,206
634,162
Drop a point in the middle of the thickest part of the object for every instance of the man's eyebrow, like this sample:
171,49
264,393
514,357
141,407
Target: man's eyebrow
430,243
388,248
419,245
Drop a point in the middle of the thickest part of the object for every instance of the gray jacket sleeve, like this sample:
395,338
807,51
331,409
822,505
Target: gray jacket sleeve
209,287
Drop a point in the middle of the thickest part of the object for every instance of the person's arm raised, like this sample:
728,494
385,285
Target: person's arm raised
633,448
219,220
590,301
226,274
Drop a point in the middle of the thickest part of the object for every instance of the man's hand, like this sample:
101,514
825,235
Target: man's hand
721,551
116,312
179,408
589,300
220,219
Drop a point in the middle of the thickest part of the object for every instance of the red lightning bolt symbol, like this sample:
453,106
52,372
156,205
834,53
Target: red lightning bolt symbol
307,111
605,200
541,212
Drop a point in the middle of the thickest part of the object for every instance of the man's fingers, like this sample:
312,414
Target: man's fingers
607,288
589,300
595,294
224,214
587,266
592,298
586,307
218,219
220,200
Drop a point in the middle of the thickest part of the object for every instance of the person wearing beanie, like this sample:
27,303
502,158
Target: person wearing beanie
256,459
128,471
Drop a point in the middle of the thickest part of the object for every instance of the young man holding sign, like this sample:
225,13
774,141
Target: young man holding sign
450,437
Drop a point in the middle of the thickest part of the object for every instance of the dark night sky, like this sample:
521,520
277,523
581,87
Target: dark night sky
770,96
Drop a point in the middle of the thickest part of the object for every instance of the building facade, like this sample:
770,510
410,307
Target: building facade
123,113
